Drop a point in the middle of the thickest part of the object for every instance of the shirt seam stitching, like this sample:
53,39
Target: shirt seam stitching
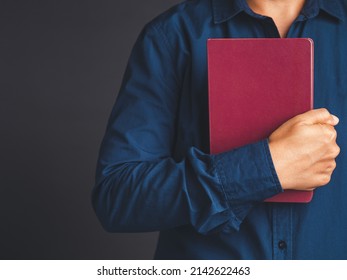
168,46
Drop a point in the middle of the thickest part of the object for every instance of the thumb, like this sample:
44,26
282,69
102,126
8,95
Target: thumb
319,116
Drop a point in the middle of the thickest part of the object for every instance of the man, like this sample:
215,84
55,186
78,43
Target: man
155,171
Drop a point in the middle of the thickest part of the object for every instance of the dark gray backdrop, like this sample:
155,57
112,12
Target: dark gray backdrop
61,64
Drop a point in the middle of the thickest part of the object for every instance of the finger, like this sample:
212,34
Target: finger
317,116
329,130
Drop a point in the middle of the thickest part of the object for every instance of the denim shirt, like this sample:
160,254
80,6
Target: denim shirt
155,172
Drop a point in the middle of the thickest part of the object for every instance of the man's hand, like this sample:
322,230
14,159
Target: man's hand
304,150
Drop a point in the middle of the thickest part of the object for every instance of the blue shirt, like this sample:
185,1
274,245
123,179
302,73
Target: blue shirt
154,170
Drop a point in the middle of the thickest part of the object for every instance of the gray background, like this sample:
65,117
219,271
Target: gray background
61,64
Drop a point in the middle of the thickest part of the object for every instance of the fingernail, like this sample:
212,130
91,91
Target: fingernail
336,119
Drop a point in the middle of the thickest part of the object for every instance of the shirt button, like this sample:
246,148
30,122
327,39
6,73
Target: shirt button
282,245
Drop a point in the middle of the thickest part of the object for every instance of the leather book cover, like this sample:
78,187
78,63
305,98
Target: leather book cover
255,85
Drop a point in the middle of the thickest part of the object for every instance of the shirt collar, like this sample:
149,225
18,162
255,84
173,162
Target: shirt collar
333,7
224,10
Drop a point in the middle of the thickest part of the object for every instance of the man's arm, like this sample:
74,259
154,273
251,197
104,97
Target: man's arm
139,185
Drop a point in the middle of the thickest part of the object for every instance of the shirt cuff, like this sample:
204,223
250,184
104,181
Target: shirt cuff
247,176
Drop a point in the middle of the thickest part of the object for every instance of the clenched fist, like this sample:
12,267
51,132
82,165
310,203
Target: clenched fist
304,149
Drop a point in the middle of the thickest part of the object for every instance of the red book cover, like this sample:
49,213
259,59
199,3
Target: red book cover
255,85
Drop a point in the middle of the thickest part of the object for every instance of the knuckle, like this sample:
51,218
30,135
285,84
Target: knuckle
325,179
334,151
329,132
331,165
333,132
337,150
324,112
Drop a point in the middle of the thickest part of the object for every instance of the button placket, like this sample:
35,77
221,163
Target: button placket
282,231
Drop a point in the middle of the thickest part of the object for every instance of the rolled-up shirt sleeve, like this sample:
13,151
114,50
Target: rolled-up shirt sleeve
141,187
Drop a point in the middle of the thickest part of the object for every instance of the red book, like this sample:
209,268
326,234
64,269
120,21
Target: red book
255,85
